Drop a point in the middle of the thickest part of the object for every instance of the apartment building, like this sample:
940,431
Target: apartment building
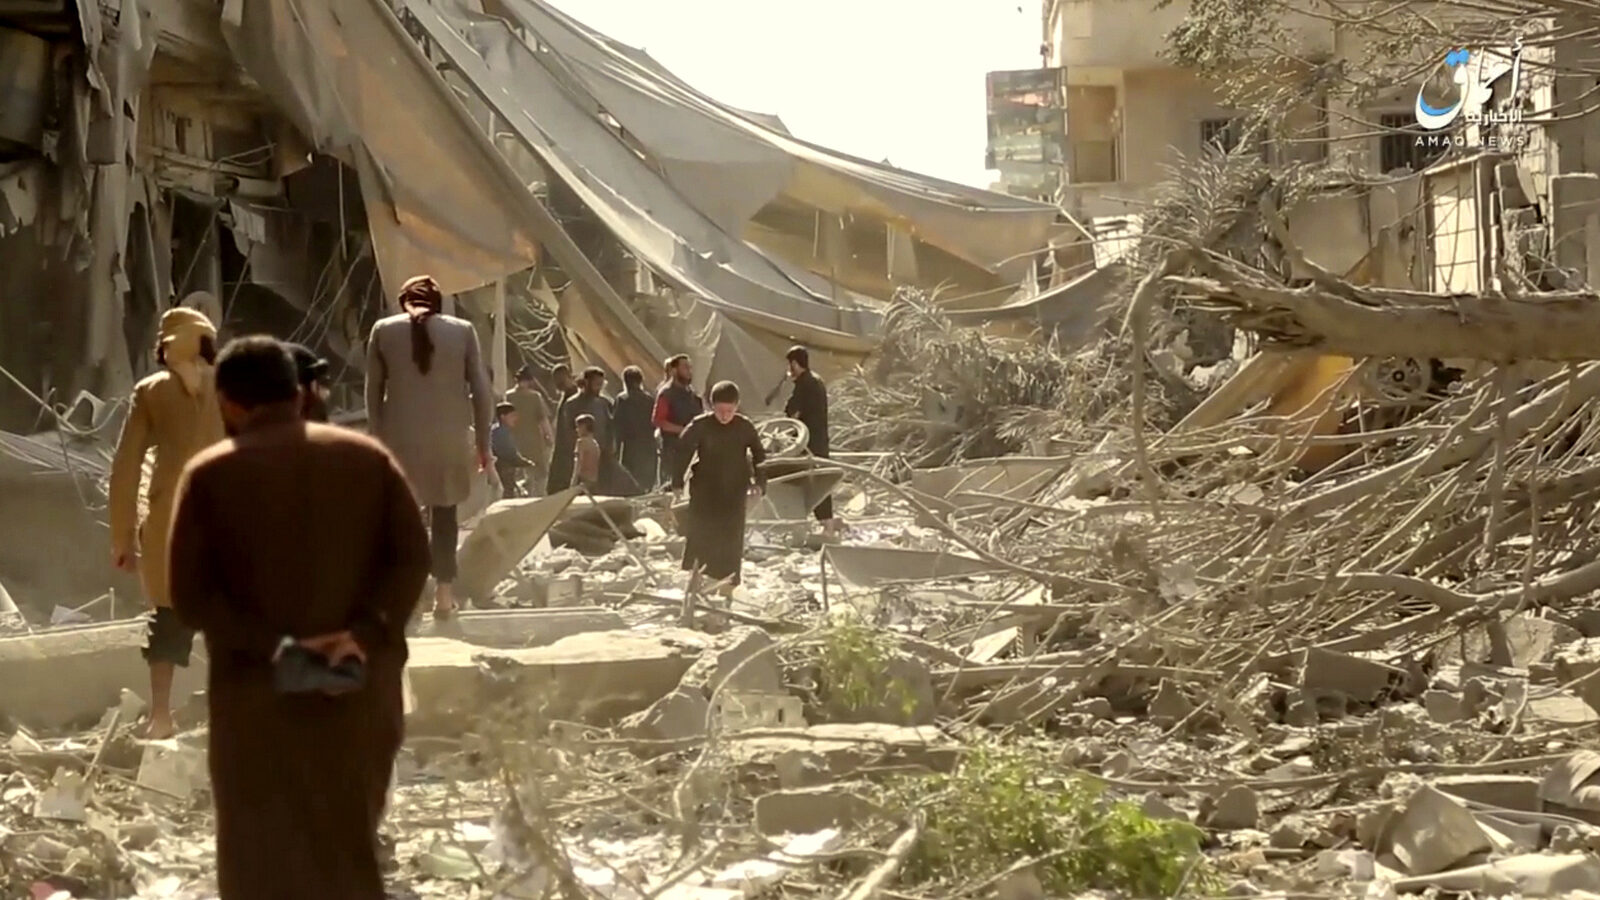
1130,112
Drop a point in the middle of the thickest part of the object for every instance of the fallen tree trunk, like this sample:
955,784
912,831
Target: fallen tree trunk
1374,322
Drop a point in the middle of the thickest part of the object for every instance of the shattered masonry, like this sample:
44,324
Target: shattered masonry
1121,517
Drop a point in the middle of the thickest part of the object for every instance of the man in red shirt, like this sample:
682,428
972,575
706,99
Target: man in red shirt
676,406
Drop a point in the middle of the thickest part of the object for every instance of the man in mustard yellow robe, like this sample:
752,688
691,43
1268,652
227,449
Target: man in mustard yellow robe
174,412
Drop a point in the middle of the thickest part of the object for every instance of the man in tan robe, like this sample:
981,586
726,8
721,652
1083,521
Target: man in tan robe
532,431
295,532
175,412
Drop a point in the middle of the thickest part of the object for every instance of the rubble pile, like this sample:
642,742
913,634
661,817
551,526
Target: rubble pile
1171,663
939,393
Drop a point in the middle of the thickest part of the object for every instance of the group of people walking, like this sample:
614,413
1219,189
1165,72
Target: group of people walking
249,482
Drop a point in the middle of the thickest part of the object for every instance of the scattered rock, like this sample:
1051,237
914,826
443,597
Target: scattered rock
1156,807
1358,678
1519,792
1444,707
742,659
1527,641
1169,706
680,717
806,810
1432,831
1291,833
1098,707
1239,807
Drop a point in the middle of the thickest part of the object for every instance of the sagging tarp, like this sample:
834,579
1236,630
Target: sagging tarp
537,100
730,164
359,89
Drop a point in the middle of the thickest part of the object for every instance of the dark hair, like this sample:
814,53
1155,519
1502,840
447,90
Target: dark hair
592,373
725,392
677,360
559,369
799,355
584,421
633,376
501,408
257,371
421,300
309,367
208,351
525,373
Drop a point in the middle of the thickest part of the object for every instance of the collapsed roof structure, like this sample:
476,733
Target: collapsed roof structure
724,207
286,164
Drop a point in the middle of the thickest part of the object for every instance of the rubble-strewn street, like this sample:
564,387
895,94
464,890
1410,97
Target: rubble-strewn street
1217,490
1387,701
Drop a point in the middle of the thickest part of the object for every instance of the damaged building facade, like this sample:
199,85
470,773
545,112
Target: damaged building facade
288,163
1501,207
1131,111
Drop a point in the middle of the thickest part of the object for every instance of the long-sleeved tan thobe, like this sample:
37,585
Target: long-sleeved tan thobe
175,412
298,530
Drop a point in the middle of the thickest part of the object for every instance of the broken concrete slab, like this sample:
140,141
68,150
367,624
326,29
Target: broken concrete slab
742,659
676,721
1431,831
1527,640
1444,707
747,710
596,677
1529,875
1572,788
1519,792
873,566
1576,662
502,538
805,810
1015,476
514,628
57,678
1170,705
836,751
175,769
1360,679
1560,709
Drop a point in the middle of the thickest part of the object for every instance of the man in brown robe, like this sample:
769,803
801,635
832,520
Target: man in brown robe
296,532
173,412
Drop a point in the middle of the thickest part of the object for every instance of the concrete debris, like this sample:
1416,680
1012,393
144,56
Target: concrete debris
808,810
1359,679
1430,832
174,769
1516,792
758,876
744,659
678,719
1336,727
1239,807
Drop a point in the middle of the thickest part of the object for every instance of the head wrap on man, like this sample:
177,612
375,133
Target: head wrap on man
420,299
183,333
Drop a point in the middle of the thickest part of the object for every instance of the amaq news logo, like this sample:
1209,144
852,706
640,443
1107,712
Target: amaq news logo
1465,82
